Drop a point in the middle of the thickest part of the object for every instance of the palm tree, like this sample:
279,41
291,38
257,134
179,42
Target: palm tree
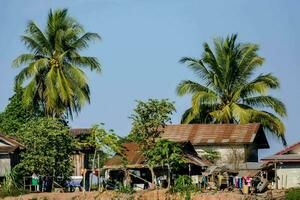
230,93
53,68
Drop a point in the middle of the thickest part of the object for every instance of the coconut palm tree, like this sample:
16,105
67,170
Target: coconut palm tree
231,92
53,68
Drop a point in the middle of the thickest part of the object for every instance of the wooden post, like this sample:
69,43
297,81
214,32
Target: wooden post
276,179
98,172
83,189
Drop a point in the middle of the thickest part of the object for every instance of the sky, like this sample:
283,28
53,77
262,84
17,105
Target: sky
143,40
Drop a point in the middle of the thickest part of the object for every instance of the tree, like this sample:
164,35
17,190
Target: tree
48,149
235,157
53,67
149,119
148,122
16,113
165,154
230,93
104,142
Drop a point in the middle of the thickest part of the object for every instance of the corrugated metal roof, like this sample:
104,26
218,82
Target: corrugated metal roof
11,144
80,131
199,134
135,158
132,153
288,149
283,158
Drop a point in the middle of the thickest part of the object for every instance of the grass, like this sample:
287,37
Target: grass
292,194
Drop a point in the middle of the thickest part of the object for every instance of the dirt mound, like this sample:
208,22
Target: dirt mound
111,195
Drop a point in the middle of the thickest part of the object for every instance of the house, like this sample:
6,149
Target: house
9,154
133,161
285,164
232,141
81,157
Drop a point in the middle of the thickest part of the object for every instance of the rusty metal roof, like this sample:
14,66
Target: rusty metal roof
211,134
135,158
9,144
80,131
288,149
282,158
132,153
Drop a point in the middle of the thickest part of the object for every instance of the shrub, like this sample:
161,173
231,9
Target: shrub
10,187
127,189
184,186
292,194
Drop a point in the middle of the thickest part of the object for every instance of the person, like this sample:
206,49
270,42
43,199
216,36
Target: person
220,179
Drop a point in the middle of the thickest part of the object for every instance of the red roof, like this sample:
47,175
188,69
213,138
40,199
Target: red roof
211,134
289,148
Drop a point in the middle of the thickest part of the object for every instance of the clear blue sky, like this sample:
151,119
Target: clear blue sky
143,41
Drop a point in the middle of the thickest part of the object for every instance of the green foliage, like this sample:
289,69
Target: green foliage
105,142
48,148
292,194
123,188
230,92
211,155
53,66
16,113
149,119
164,153
184,186
10,187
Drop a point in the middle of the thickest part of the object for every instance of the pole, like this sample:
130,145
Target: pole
276,179
98,172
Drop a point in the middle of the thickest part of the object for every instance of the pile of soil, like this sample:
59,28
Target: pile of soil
141,195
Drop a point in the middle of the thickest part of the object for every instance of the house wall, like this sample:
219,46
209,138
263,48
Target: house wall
247,153
289,175
4,164
78,163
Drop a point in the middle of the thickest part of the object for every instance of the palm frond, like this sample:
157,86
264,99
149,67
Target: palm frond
267,102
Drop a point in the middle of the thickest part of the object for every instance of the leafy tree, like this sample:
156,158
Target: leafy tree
165,154
48,148
16,113
104,143
53,66
148,121
230,92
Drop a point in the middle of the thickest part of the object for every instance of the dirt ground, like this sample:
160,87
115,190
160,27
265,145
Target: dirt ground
142,195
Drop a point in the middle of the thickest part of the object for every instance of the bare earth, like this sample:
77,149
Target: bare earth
142,195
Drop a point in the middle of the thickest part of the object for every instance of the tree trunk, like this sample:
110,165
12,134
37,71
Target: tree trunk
152,177
169,176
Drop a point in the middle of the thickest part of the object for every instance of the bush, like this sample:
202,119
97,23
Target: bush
127,189
184,186
292,194
10,187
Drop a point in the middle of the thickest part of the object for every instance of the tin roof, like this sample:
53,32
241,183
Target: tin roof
132,153
9,144
80,131
288,149
135,158
282,158
212,134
